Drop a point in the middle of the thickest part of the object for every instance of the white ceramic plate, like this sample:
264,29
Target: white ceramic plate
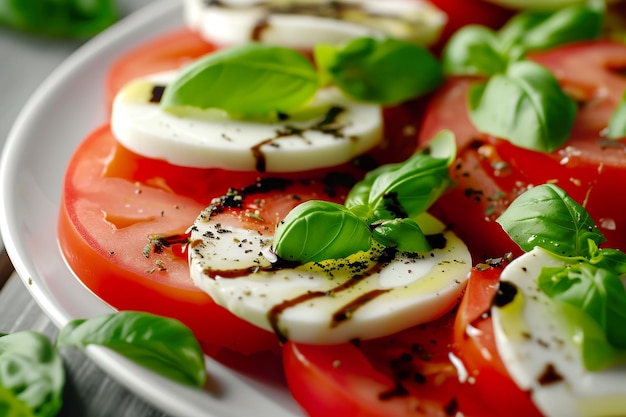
67,106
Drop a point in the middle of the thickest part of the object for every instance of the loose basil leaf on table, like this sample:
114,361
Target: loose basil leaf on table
247,80
158,343
32,371
381,70
525,105
545,216
617,123
11,406
66,18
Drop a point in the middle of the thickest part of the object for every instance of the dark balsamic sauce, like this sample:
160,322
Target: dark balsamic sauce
157,94
341,315
328,125
505,295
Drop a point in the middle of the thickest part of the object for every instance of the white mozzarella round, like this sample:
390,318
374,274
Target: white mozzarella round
536,346
304,23
230,264
209,138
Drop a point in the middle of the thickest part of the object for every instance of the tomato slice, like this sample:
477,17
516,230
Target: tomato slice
167,52
104,225
490,173
476,347
417,372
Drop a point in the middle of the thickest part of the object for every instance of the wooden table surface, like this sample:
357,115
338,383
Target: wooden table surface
89,392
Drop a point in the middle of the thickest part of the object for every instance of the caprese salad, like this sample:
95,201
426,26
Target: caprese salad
411,207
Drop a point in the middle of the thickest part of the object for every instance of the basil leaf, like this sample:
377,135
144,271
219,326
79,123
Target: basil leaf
405,189
617,123
545,216
474,50
318,230
161,344
537,30
525,106
597,352
250,79
403,234
11,406
386,71
597,292
65,18
32,370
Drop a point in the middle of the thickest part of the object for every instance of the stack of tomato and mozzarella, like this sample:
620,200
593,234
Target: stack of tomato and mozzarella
174,210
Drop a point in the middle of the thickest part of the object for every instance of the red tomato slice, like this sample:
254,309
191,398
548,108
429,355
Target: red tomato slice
476,348
416,372
104,225
490,173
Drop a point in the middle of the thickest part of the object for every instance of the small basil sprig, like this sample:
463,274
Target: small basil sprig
251,79
31,373
381,70
617,123
589,284
380,207
526,105
539,30
478,50
521,101
67,18
160,344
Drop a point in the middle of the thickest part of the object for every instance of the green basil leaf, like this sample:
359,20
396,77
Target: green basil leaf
161,344
403,234
409,188
597,352
474,50
386,71
617,123
32,370
318,230
597,292
525,106
545,216
538,30
251,79
65,18
11,406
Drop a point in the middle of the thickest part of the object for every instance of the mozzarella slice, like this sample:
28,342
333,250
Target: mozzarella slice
328,302
536,346
304,23
210,139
